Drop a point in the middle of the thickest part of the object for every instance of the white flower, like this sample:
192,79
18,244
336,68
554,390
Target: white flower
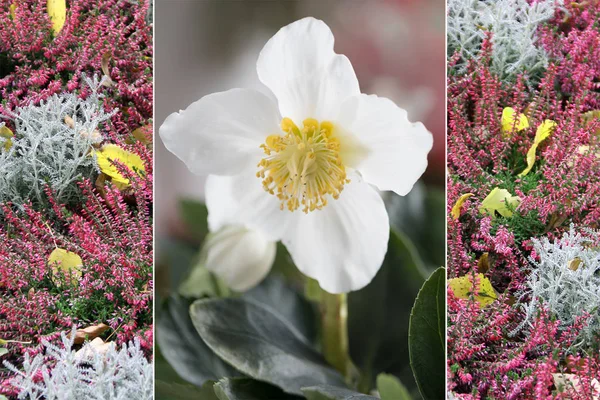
301,170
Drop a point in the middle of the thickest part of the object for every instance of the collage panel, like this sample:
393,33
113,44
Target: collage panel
523,200
300,224
76,199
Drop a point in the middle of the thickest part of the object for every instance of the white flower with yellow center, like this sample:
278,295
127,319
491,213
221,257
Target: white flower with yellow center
304,169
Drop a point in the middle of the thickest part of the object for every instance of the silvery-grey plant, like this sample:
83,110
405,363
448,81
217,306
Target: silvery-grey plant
566,280
47,151
65,374
513,25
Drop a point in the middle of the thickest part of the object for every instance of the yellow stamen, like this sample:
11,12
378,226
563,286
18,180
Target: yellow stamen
303,167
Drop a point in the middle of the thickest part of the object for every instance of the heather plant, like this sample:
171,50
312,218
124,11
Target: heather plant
513,26
75,197
63,373
51,148
39,63
113,239
536,143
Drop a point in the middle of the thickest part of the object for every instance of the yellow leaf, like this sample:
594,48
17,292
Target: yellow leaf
457,206
66,261
499,200
111,152
542,133
13,8
57,10
483,264
464,287
574,264
7,134
510,120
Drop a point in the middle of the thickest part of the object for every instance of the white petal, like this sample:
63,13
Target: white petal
242,200
396,148
343,245
221,133
240,257
300,67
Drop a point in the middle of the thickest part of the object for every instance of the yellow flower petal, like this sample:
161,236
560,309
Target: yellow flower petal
457,206
66,261
510,120
111,152
57,10
499,200
464,287
542,133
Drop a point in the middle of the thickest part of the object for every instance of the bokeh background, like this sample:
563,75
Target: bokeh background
398,51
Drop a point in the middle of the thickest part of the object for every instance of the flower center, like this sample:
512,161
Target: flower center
303,166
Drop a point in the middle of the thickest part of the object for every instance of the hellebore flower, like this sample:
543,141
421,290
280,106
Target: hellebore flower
304,169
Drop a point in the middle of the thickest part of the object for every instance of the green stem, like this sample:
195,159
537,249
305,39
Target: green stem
334,312
334,331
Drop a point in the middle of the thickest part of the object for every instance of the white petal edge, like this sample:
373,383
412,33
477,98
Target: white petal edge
221,133
241,200
343,245
396,149
240,257
309,80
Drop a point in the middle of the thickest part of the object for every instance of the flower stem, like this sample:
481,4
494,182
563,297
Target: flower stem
334,331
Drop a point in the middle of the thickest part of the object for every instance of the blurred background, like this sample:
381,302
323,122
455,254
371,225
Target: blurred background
398,51
397,48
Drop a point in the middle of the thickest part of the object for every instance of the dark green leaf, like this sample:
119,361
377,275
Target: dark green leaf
327,392
427,337
390,388
378,315
275,293
184,349
195,215
174,258
260,343
421,215
163,369
177,391
249,389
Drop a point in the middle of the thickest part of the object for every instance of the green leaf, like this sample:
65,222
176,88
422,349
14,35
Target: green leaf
249,389
276,293
327,392
3,351
163,369
194,214
174,258
378,315
421,215
256,340
2,397
176,391
181,345
390,388
427,337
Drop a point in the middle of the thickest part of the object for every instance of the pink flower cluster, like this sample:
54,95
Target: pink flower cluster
111,229
112,233
484,359
34,64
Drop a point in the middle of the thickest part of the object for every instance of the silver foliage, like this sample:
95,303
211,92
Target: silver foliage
568,293
513,25
123,374
46,151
